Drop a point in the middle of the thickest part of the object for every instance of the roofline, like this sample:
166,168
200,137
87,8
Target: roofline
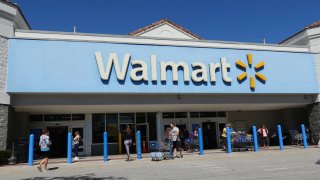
126,39
311,26
161,21
18,8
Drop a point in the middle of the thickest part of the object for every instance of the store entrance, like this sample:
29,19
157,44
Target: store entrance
58,136
209,135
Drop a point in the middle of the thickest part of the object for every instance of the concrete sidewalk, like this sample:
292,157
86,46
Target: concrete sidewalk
147,155
291,163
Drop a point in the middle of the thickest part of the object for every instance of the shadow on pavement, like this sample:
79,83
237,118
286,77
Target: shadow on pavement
79,177
54,168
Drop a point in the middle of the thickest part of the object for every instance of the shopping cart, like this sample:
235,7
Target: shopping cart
240,141
161,151
191,145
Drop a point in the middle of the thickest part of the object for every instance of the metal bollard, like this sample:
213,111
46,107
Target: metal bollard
304,137
255,139
69,155
31,142
200,141
139,145
280,137
105,146
228,141
119,143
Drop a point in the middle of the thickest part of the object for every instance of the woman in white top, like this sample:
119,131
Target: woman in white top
174,134
76,141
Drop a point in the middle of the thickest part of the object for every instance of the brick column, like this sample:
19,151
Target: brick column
4,116
314,120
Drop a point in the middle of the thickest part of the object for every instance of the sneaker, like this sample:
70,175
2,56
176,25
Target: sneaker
39,168
76,158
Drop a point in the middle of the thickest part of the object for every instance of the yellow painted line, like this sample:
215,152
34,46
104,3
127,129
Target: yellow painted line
259,65
252,83
249,57
242,76
260,76
241,64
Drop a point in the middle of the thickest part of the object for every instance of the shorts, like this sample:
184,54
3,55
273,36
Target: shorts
45,154
265,141
176,144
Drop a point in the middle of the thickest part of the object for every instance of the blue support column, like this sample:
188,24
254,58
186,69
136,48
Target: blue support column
105,146
280,137
304,137
31,142
229,150
200,141
255,139
69,152
139,145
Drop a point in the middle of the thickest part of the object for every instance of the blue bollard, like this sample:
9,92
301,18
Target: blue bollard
304,137
105,146
139,145
200,141
255,139
280,137
228,141
31,142
69,155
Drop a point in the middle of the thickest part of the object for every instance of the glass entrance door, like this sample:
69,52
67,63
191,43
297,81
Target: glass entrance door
209,135
58,136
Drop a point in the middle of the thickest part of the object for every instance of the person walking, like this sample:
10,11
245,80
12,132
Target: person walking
196,138
44,144
174,134
224,137
264,133
127,141
76,143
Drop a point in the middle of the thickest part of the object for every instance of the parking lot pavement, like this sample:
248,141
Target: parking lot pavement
292,163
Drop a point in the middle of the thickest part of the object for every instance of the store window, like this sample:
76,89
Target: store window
98,127
167,115
127,118
194,114
112,127
222,114
141,118
78,117
180,114
57,117
208,114
151,118
36,118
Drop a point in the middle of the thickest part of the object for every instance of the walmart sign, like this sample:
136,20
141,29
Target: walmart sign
199,72
44,66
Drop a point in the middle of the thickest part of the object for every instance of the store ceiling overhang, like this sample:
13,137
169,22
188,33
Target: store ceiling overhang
153,108
94,103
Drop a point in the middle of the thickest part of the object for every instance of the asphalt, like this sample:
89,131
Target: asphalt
292,163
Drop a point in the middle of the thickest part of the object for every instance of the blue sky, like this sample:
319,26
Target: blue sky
226,20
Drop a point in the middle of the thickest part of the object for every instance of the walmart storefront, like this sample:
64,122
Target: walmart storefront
92,83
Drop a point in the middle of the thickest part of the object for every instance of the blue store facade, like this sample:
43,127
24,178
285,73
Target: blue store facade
68,82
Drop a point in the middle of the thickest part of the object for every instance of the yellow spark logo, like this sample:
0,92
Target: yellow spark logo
257,68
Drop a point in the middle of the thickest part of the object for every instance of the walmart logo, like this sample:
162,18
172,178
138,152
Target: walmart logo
242,77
